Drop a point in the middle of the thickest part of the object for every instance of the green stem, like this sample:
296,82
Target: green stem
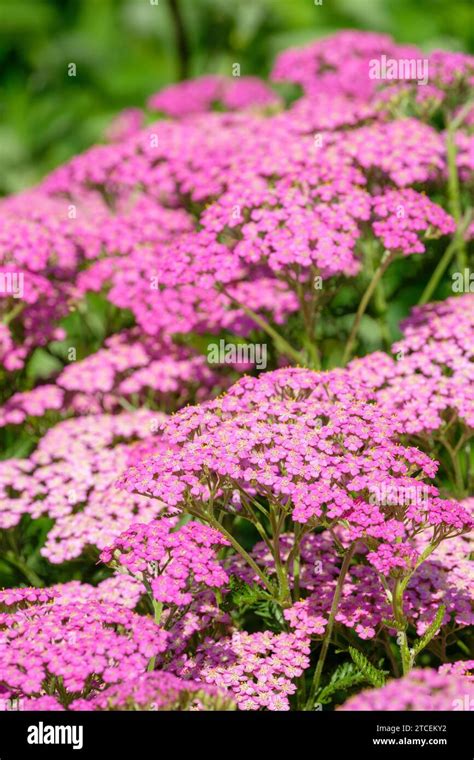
445,260
387,259
465,110
29,574
296,575
454,194
388,648
240,550
399,617
313,356
379,300
14,313
308,312
182,44
284,588
398,611
294,560
457,471
157,612
330,626
126,405
280,342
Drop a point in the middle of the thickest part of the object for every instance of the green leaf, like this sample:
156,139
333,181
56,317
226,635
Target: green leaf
372,674
243,595
42,365
344,677
430,632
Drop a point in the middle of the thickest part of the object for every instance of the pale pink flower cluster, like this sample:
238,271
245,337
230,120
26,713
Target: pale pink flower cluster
422,690
257,669
71,477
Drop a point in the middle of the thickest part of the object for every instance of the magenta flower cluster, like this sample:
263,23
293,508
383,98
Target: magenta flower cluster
83,646
177,535
171,563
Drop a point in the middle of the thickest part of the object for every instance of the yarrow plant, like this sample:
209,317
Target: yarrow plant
178,535
423,689
72,650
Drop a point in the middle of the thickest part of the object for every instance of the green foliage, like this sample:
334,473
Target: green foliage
372,674
345,677
244,598
430,632
21,562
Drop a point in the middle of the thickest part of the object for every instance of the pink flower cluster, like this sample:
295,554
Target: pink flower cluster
314,454
446,577
156,691
20,597
45,239
71,477
257,669
403,214
173,563
429,383
275,206
213,223
118,589
341,65
199,95
83,646
338,64
130,366
422,689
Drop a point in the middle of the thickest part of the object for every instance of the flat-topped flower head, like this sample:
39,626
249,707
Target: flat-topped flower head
428,386
339,64
173,562
79,645
257,670
288,440
201,94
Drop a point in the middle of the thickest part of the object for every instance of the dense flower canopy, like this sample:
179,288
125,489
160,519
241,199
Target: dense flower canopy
312,454
83,644
180,532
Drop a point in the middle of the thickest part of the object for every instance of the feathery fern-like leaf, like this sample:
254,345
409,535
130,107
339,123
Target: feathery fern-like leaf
372,674
430,632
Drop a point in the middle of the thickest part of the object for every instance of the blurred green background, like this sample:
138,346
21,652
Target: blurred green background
126,49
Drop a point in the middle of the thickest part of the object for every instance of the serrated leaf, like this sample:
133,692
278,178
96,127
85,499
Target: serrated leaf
430,632
391,623
344,677
346,669
244,595
373,675
344,684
